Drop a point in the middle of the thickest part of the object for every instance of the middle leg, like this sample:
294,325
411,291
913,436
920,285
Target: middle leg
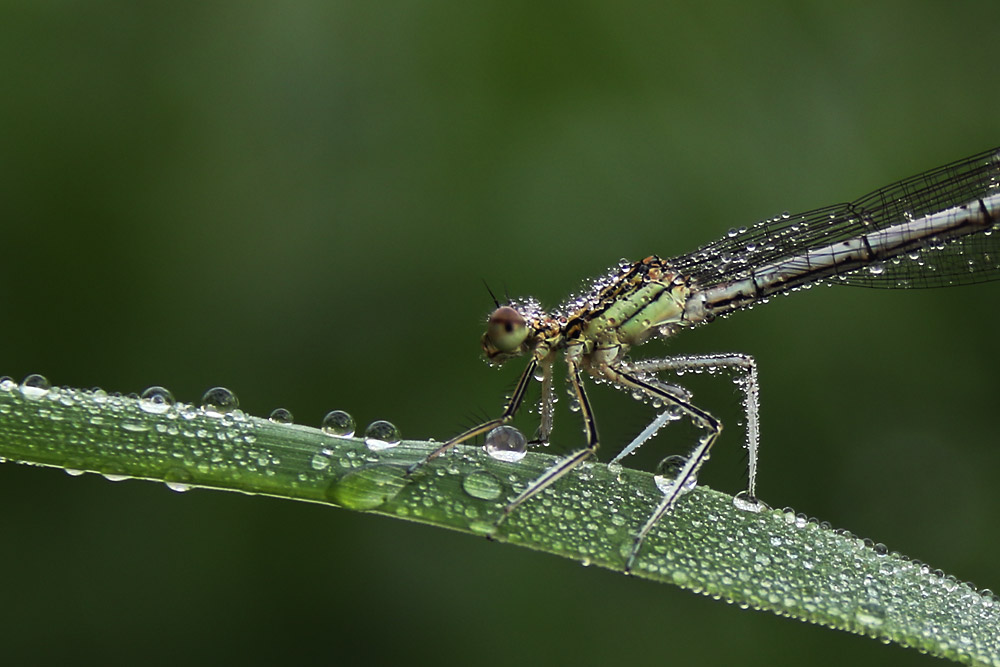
744,364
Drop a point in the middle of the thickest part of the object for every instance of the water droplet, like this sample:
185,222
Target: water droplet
483,527
135,426
35,386
369,487
156,400
876,268
482,484
178,479
321,460
281,416
338,424
747,503
870,614
218,401
667,472
381,435
506,443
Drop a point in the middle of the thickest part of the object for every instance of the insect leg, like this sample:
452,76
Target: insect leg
509,411
748,383
546,405
688,475
573,460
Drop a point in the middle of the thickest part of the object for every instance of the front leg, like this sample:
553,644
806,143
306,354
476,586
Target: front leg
570,462
508,413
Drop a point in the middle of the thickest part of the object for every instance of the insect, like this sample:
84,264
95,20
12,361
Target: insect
936,229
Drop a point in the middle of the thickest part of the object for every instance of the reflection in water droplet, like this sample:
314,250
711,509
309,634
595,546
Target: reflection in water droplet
281,416
219,401
381,435
34,387
339,424
482,484
506,443
156,400
369,487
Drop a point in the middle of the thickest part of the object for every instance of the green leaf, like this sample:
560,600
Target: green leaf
771,560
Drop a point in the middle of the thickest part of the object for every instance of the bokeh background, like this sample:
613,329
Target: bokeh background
300,201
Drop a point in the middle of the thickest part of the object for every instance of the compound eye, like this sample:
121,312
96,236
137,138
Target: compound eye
506,329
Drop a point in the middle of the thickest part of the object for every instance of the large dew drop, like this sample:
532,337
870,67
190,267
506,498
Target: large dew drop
338,424
281,416
218,401
506,443
381,435
667,472
35,387
156,400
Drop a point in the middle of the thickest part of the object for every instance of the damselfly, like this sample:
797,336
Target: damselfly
932,230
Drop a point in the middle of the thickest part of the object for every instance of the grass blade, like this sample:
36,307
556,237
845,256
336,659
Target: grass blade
771,560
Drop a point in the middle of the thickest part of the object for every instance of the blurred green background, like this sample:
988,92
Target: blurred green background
299,201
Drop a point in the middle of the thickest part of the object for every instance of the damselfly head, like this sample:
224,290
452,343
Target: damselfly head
506,332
